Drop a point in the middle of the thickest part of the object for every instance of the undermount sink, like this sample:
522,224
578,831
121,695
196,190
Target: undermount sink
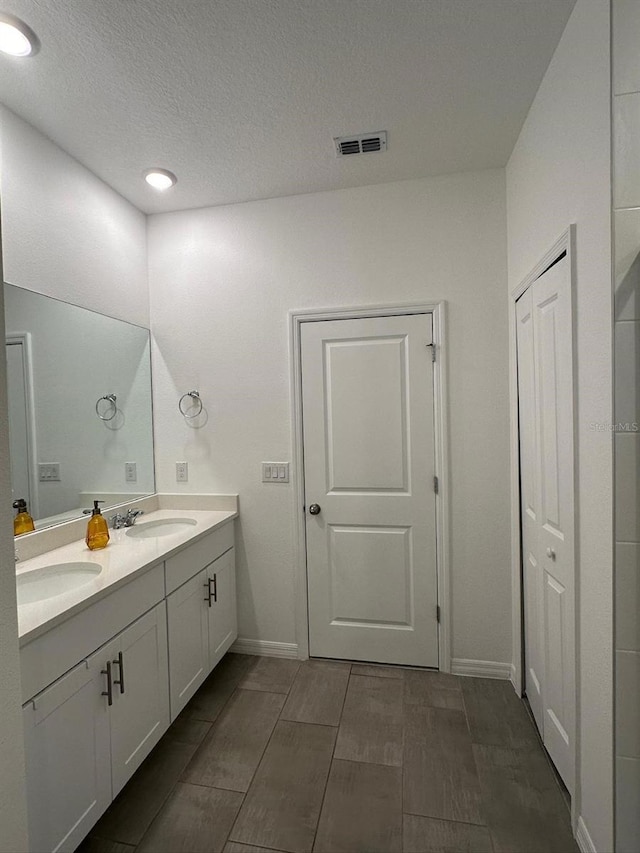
50,581
160,527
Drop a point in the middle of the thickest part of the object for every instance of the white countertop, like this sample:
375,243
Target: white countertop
122,559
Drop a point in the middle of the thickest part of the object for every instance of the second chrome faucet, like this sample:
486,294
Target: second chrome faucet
127,519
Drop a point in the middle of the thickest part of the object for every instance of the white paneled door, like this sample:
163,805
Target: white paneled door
545,393
367,395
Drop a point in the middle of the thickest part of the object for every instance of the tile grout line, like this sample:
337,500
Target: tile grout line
180,777
368,763
524,750
333,752
244,794
446,819
554,769
255,772
475,764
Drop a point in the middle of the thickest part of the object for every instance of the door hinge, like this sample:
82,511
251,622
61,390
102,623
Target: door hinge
438,613
433,351
436,485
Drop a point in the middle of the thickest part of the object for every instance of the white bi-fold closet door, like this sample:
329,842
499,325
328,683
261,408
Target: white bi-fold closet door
545,395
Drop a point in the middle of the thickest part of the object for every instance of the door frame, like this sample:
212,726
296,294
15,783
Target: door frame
565,243
441,449
24,340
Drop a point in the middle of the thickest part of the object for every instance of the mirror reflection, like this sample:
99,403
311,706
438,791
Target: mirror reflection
80,416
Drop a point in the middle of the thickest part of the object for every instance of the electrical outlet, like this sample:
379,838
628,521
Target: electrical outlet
275,472
49,472
130,472
182,472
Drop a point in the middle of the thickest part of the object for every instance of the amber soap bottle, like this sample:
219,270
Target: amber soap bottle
22,523
97,529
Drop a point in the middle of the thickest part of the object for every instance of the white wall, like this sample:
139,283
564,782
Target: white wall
222,281
65,232
559,173
626,201
13,805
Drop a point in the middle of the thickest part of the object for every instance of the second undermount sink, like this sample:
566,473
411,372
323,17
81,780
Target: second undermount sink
160,527
50,581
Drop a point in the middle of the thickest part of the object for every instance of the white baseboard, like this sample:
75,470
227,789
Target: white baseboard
583,838
482,668
265,648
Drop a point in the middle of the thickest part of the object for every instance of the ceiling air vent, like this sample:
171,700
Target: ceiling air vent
364,143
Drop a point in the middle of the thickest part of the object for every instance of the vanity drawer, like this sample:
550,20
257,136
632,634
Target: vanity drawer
183,566
49,656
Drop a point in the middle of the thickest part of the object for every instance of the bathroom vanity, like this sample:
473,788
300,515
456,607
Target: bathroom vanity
110,662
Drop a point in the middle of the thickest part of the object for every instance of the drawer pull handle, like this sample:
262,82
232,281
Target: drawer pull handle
207,586
215,586
109,691
120,664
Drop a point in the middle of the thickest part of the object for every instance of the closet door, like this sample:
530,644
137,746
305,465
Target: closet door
530,509
554,368
545,387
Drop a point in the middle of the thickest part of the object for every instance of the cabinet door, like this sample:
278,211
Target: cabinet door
223,619
140,711
67,755
188,626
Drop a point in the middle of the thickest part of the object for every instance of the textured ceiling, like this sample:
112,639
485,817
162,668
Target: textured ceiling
241,98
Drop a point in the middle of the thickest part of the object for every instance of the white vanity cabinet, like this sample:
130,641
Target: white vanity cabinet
223,619
188,625
144,649
201,613
67,747
139,713
88,732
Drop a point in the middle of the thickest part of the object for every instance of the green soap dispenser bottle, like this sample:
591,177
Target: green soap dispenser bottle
22,523
97,529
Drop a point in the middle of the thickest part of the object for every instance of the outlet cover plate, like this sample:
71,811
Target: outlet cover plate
182,472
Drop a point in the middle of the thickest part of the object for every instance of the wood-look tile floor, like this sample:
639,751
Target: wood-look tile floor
326,757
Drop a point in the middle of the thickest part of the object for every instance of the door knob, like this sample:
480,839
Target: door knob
551,553
314,509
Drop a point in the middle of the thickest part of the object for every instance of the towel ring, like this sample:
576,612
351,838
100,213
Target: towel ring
110,411
196,403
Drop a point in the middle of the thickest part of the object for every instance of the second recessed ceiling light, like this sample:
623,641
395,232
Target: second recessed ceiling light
160,179
16,38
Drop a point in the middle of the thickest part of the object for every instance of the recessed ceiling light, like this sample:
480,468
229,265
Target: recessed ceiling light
160,179
16,38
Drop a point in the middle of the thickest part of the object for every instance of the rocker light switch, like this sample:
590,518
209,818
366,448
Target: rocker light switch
275,472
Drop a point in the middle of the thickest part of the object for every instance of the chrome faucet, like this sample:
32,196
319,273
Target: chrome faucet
127,520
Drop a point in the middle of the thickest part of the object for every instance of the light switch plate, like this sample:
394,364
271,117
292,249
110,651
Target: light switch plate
130,472
275,472
49,472
182,472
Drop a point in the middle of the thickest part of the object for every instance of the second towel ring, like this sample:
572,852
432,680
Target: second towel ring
109,412
196,403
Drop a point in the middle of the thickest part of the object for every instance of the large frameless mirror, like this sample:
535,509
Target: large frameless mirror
80,414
